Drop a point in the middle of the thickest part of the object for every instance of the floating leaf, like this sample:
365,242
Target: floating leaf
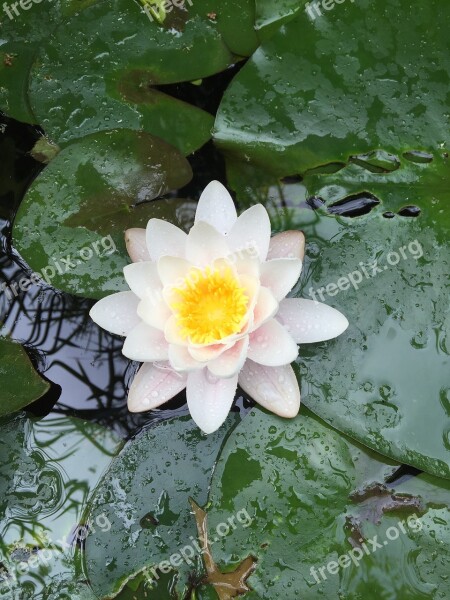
70,225
389,276
20,383
102,78
301,496
145,495
348,82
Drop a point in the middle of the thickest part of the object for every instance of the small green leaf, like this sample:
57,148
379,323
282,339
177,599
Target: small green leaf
20,383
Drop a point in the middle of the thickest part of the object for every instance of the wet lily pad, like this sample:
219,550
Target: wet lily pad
145,495
347,82
48,469
388,273
70,225
103,78
23,31
20,383
312,495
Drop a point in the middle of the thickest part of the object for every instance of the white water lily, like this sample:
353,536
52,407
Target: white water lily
208,310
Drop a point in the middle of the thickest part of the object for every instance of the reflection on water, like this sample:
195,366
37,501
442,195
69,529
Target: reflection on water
48,468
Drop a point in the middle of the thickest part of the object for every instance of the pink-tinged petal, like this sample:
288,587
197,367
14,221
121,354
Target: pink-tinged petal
271,345
165,239
136,244
216,207
280,275
274,388
172,270
205,244
251,230
154,311
230,362
206,353
143,278
145,344
266,307
181,360
209,398
288,244
308,321
116,313
153,385
172,332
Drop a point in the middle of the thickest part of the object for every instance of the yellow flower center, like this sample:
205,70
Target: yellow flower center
210,305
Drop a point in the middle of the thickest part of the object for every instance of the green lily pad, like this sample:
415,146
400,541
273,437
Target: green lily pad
271,14
347,82
23,32
145,495
389,371
306,496
70,225
20,383
48,468
103,78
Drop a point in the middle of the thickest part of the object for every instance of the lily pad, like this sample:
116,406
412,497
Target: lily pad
388,273
80,205
311,496
145,495
103,78
48,469
347,82
20,383
23,32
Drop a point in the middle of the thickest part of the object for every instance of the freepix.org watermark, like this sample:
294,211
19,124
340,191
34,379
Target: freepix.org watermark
368,271
188,553
46,550
314,9
367,547
103,247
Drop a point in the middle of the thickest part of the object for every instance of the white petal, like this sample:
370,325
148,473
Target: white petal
251,230
246,262
164,239
136,244
287,244
116,313
154,311
153,385
205,244
172,332
209,398
143,279
271,345
308,321
230,362
172,270
145,344
274,388
266,307
280,275
216,207
181,360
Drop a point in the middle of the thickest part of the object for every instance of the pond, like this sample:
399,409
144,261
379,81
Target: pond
209,211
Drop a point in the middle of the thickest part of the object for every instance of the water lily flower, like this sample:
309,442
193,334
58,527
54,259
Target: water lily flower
208,310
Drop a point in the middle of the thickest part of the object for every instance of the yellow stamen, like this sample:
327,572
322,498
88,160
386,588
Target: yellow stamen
210,305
